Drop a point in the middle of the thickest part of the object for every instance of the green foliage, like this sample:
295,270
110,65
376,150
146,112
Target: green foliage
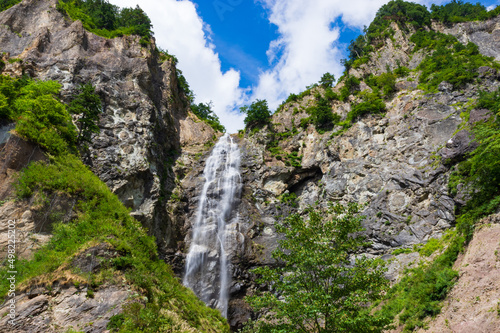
292,159
164,55
316,287
327,80
457,65
421,291
184,86
107,20
402,71
205,113
458,11
372,103
87,105
42,118
289,199
6,4
100,217
385,82
258,114
321,114
351,85
431,40
480,173
430,247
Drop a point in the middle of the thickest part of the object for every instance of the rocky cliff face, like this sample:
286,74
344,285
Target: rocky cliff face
145,127
146,120
397,163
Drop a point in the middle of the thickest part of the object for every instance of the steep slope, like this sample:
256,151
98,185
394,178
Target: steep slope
83,263
145,122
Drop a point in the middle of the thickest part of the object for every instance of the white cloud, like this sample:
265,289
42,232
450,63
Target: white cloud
306,48
307,43
180,30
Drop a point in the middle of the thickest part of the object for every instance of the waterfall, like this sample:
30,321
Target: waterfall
207,263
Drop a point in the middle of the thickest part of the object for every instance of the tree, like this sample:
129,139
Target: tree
87,104
204,112
327,80
319,283
258,114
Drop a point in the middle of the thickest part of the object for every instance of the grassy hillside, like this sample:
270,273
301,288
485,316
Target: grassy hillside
162,303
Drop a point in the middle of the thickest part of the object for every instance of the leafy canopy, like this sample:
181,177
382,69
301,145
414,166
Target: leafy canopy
87,104
204,112
258,114
319,284
107,20
39,115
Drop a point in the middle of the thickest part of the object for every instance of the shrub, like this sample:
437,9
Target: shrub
86,104
204,112
6,4
43,119
372,103
258,114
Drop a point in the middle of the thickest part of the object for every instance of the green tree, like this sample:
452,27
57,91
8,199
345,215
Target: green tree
319,283
204,112
258,114
42,118
137,18
87,104
327,80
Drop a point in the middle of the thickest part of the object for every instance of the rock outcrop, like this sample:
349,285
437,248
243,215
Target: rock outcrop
146,120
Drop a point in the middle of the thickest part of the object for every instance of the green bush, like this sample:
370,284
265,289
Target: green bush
6,4
257,114
86,104
372,103
351,85
204,112
42,118
385,82
322,115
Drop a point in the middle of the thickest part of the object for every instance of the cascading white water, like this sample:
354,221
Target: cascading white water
207,266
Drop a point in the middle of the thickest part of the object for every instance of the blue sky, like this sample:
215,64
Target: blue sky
235,51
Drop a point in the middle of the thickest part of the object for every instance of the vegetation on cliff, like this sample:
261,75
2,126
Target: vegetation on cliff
320,283
98,216
479,174
39,115
107,20
101,218
6,4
